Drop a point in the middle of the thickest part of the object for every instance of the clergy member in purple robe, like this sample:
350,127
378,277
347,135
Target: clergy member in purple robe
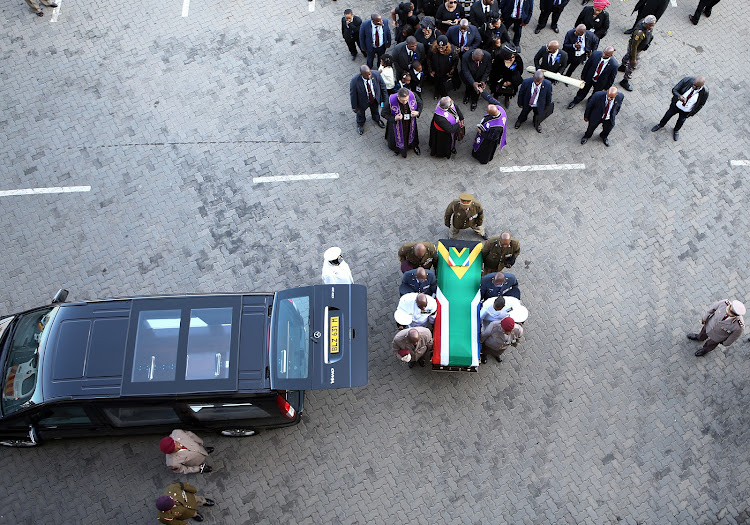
402,111
446,122
490,131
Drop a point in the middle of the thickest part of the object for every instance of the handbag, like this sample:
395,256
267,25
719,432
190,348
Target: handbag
461,133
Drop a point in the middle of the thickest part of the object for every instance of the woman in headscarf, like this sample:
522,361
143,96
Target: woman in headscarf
444,64
595,18
506,74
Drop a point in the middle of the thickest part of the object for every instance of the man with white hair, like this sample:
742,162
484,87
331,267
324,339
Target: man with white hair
722,323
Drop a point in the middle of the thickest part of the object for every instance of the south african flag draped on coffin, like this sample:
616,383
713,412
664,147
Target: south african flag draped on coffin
456,333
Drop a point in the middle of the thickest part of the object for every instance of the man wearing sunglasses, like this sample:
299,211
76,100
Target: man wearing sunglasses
722,323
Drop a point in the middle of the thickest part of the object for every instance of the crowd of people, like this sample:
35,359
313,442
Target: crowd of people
439,47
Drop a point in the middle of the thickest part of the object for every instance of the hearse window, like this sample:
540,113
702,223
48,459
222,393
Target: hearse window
139,416
56,416
225,411
156,346
293,338
209,341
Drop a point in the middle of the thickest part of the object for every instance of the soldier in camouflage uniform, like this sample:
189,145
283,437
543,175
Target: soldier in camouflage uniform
465,212
500,252
180,503
415,254
639,41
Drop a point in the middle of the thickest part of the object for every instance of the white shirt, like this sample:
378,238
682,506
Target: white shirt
489,314
379,30
408,304
603,62
551,56
517,8
534,98
690,103
611,105
582,41
337,274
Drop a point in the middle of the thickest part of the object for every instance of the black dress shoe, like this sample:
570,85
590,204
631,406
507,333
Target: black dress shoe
360,130
656,128
628,31
209,502
701,353
584,140
517,125
40,13
453,151
606,141
396,153
52,5
473,106
572,104
380,123
625,84
209,449
485,236
539,128
483,359
499,359
690,17
693,336
676,135
417,151
403,154
621,68
198,517
466,100
555,29
421,362
538,30
707,12
411,364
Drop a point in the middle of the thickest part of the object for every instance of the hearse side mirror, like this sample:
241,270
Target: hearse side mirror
60,296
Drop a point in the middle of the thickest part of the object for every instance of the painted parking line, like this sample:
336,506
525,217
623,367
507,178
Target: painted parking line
185,7
542,167
740,162
311,6
673,2
291,178
56,12
39,191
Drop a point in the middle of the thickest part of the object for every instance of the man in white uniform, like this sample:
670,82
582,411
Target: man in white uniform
335,269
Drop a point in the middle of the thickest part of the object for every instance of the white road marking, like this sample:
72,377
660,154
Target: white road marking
185,7
37,191
288,178
311,6
673,2
739,162
542,167
56,12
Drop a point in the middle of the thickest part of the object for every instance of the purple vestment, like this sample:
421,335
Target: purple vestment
452,118
487,124
398,128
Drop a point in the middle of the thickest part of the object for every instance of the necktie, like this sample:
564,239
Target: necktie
369,91
692,92
463,40
377,37
606,110
477,62
599,69
534,95
518,8
410,52
549,60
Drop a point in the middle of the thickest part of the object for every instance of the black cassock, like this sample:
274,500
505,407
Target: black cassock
390,136
441,142
490,140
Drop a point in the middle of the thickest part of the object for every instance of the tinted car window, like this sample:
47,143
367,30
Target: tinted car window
209,342
156,346
60,416
293,338
227,411
139,416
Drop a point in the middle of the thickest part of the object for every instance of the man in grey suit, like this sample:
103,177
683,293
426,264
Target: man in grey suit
367,90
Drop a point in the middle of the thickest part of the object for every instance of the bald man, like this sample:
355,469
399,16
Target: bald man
415,254
579,44
464,37
602,108
411,345
418,280
475,71
500,252
490,131
446,121
688,97
367,90
599,72
535,95
551,58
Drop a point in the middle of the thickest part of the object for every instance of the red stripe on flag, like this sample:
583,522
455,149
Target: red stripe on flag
436,337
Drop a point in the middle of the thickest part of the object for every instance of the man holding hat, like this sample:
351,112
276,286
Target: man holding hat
179,504
498,336
185,452
335,269
411,344
722,323
463,213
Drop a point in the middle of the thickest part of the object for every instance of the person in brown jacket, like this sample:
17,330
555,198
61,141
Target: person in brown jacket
463,213
415,254
411,345
180,503
185,452
498,336
500,252
722,323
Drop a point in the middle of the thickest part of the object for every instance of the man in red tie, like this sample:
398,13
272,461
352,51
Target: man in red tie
722,323
602,108
475,71
599,72
688,97
535,94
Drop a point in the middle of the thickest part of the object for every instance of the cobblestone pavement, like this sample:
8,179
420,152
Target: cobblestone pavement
602,415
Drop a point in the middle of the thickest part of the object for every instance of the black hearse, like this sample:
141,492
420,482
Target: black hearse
229,363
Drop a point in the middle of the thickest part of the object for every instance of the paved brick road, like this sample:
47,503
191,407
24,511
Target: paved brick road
603,415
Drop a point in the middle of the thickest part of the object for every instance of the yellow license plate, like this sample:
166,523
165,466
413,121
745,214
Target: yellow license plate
334,335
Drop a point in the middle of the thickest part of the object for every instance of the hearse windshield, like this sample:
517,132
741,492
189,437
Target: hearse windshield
20,369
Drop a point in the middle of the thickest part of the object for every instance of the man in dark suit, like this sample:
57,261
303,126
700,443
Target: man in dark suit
374,38
551,58
705,7
418,280
367,90
464,37
579,44
599,72
688,97
602,108
550,7
406,53
475,71
535,94
516,13
481,11
350,25
648,7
